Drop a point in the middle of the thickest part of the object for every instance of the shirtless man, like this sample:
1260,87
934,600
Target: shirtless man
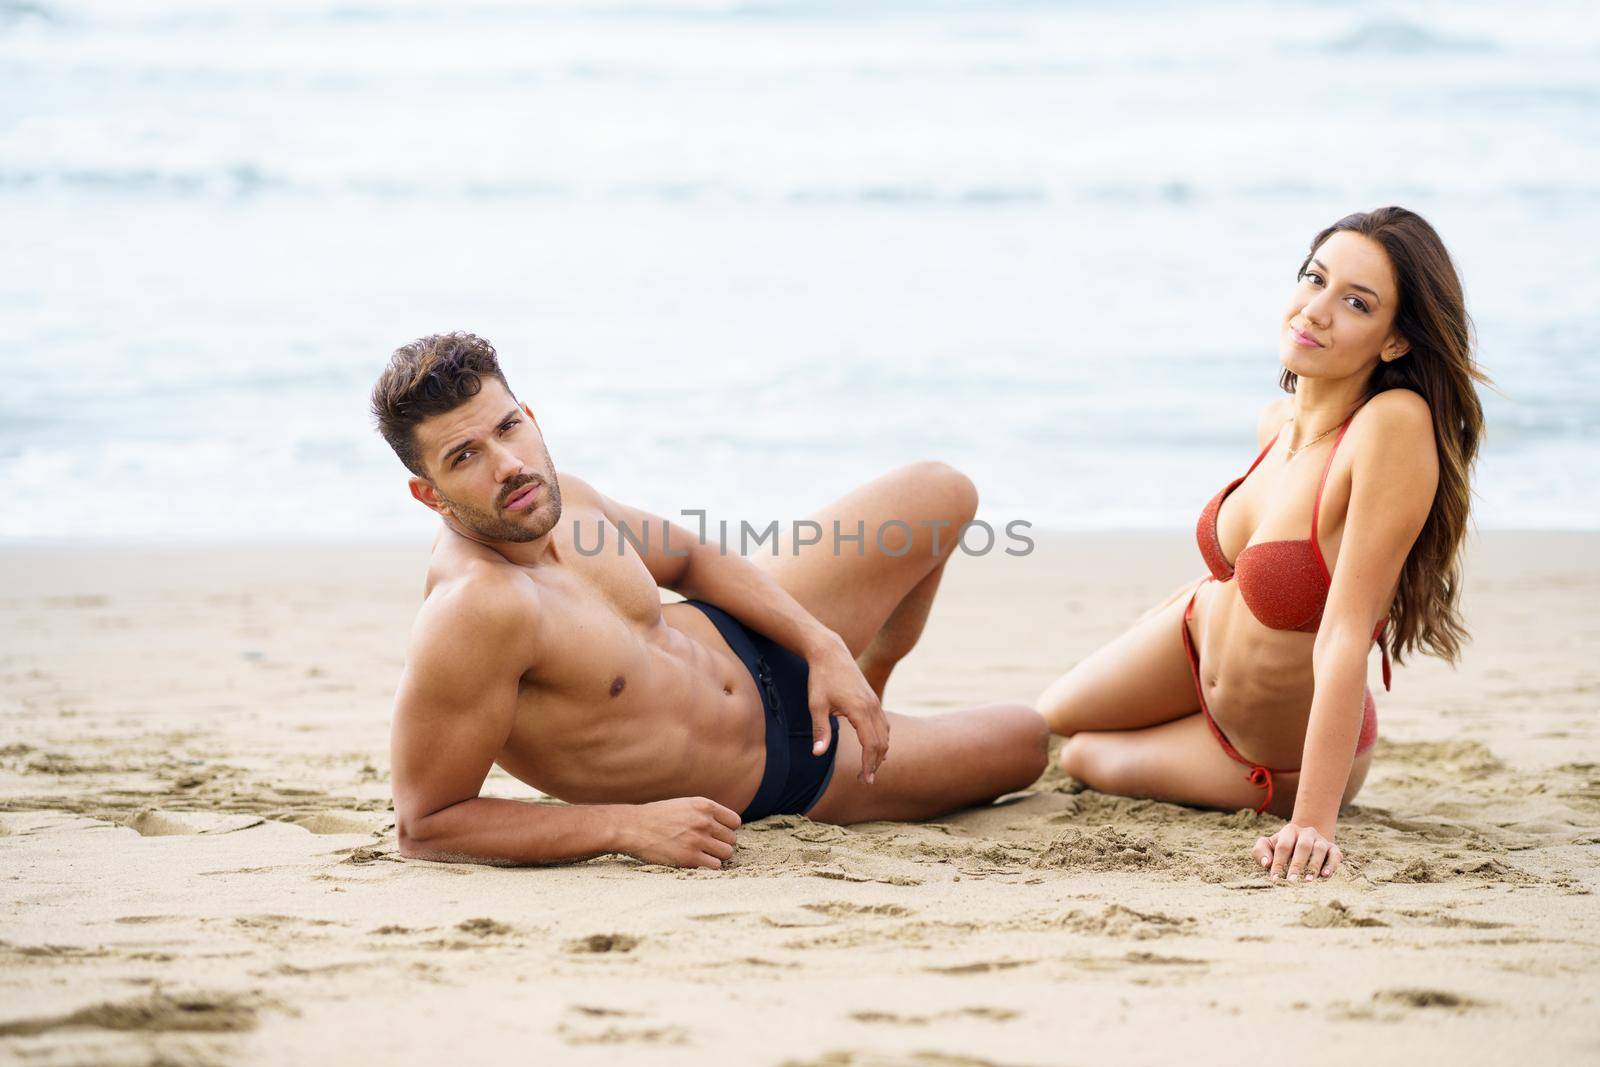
664,725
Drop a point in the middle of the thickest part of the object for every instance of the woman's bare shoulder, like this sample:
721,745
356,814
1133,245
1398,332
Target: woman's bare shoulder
1272,418
1397,417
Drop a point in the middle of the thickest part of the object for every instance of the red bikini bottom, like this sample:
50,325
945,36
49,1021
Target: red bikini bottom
1260,775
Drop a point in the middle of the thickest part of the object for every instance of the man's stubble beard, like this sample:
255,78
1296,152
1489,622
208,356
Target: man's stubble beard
494,526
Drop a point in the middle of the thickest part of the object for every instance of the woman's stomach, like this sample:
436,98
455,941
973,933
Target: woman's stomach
1257,681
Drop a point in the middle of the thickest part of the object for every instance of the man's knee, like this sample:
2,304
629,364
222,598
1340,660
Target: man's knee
947,492
1027,741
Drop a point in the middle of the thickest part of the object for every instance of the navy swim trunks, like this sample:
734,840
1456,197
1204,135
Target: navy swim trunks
794,780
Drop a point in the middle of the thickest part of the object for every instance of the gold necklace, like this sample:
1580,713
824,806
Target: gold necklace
1292,452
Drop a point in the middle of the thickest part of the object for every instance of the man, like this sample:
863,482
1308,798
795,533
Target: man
664,726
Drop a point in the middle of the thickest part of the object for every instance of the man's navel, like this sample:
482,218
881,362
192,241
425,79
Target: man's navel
618,684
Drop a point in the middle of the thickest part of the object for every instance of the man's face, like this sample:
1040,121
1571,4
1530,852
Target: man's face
488,468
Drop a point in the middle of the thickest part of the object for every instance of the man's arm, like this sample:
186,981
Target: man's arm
680,561
452,716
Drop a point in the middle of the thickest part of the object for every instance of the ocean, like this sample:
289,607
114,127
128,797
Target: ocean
741,256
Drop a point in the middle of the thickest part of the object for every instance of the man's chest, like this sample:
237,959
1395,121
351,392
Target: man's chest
599,611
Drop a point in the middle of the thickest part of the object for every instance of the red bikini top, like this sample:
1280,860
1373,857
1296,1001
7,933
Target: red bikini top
1283,583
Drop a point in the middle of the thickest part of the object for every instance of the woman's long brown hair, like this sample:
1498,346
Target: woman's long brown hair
1432,316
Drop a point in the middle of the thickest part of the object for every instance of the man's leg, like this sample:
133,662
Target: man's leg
939,764
877,597
879,601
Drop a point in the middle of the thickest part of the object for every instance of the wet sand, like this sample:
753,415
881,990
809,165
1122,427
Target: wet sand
197,860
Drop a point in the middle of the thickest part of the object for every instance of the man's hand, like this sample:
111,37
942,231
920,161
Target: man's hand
1298,849
687,832
836,687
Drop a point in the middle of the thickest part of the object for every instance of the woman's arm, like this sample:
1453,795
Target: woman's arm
1394,473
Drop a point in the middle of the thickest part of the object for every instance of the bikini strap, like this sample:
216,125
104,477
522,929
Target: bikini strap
1316,505
1260,775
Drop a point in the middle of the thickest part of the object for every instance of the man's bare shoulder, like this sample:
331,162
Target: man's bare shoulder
480,610
575,490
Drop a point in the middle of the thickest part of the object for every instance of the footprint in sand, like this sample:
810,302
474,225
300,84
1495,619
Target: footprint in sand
1482,869
604,943
590,1024
1120,922
979,967
362,855
197,1012
839,909
1164,961
1334,914
993,1015
343,822
918,1058
1394,1005
152,823
622,1035
1105,849
790,919
277,922
1428,998
51,952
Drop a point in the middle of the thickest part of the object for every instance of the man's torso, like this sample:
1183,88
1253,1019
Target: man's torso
622,699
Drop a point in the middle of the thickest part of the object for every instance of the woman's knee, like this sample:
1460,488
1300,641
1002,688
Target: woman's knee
1065,702
1055,704
1095,761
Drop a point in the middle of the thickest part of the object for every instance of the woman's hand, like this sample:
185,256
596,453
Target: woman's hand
1300,850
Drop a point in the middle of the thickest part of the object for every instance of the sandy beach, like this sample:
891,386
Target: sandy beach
198,867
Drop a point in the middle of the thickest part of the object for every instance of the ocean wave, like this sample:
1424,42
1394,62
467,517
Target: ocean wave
168,15
1522,97
916,194
1397,37
16,12
247,178
235,179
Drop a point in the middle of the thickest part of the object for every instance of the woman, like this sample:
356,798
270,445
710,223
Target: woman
1248,688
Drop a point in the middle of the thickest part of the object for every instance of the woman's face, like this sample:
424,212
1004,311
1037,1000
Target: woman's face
1340,319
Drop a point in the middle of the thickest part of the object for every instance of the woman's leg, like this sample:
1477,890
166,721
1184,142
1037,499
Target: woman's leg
1133,726
1141,678
1180,762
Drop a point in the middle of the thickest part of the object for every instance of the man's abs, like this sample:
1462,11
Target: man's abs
637,713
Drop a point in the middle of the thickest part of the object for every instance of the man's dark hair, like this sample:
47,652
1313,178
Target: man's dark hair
429,376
